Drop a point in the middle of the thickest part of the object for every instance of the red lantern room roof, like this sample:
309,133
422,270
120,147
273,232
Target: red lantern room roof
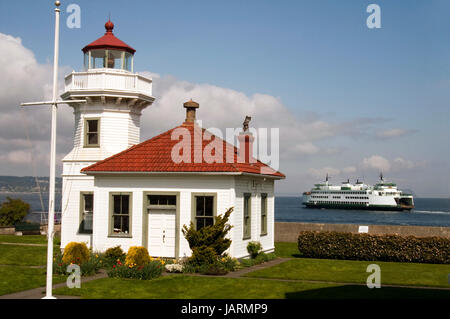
109,41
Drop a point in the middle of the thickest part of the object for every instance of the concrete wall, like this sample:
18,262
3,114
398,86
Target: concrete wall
288,232
7,230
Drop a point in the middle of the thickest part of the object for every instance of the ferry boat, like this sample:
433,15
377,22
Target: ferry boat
381,196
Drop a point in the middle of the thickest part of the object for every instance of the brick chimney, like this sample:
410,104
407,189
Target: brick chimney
191,107
245,152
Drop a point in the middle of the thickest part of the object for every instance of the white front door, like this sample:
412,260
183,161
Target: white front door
161,232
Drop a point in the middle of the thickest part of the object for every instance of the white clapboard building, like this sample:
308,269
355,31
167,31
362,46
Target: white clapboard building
118,191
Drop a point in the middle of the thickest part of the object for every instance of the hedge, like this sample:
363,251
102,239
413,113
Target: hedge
335,245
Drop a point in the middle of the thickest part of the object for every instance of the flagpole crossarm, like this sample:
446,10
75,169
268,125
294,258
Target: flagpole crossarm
52,102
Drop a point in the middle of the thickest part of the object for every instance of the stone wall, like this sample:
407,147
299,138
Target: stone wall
288,232
7,230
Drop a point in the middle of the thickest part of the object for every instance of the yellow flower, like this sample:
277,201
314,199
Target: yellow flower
96,256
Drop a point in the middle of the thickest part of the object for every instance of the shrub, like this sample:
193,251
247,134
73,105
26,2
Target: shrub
13,211
203,255
210,236
229,263
114,253
150,270
334,245
89,267
138,256
254,248
76,253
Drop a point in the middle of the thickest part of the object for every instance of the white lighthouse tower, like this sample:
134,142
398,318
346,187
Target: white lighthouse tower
108,123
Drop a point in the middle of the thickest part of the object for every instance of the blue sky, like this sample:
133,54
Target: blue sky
317,57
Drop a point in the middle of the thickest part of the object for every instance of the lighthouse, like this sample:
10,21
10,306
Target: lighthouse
107,124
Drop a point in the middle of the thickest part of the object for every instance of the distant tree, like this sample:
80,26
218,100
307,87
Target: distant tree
13,211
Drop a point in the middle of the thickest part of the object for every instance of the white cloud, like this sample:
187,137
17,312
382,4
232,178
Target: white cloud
395,132
376,162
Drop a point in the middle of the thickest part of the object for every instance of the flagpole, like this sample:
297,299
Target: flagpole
51,197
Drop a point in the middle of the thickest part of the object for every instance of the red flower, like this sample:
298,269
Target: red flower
114,266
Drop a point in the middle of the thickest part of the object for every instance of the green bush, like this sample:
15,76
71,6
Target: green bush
75,253
254,248
203,256
150,270
208,245
210,236
334,245
114,253
87,267
13,211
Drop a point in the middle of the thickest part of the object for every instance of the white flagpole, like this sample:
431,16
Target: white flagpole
51,197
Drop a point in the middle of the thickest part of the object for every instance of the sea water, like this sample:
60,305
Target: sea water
428,212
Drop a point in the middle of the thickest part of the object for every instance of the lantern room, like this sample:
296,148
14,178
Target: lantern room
108,52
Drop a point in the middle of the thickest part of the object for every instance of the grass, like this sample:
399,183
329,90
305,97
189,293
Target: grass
14,278
392,273
287,250
23,255
28,239
196,287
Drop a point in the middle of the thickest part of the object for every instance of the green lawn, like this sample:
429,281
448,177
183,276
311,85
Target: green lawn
23,255
355,272
18,278
286,250
189,287
28,239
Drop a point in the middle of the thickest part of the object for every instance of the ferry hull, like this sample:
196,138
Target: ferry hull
359,207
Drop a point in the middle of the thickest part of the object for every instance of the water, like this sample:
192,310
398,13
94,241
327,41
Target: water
428,212
35,203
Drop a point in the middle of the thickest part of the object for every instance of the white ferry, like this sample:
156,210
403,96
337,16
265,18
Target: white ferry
382,196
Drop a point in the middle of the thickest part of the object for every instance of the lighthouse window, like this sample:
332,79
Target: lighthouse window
86,210
92,132
114,60
128,62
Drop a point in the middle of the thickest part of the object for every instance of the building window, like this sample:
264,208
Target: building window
204,211
86,212
162,200
120,214
263,214
92,133
247,215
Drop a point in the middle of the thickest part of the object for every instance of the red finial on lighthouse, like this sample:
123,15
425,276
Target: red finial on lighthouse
109,26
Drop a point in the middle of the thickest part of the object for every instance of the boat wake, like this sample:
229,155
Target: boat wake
431,212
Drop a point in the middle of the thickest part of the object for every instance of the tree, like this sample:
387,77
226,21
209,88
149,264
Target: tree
13,211
210,239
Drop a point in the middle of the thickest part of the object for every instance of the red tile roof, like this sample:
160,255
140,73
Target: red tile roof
155,155
109,41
